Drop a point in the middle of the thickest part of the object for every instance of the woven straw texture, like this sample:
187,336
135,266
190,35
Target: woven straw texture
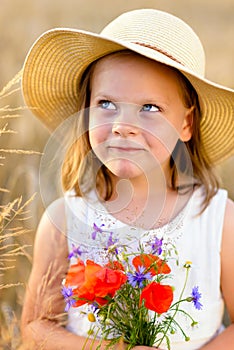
57,60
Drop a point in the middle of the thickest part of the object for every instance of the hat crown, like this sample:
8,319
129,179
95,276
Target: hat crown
162,32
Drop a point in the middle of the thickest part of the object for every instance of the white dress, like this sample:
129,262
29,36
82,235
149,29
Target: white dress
197,239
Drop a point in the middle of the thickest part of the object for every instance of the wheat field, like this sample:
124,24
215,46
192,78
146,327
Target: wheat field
23,138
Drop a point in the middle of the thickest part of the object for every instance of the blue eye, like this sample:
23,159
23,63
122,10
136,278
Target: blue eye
150,108
105,104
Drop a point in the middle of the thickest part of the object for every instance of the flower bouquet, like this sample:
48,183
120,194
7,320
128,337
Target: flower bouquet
129,297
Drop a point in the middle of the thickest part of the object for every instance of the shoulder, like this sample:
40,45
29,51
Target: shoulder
54,215
51,233
219,198
54,219
43,297
229,211
213,213
227,257
228,227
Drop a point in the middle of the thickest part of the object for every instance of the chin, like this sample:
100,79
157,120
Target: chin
124,170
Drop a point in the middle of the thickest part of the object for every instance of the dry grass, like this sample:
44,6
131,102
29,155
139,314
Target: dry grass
19,211
14,215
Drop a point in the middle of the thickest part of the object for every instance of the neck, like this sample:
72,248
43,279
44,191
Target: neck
153,183
147,201
145,195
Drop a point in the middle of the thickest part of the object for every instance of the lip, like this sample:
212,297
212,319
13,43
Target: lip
125,149
125,145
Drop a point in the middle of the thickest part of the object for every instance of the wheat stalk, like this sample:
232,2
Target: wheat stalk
13,214
6,89
19,151
10,285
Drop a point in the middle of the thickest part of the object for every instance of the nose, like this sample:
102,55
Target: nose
125,124
124,129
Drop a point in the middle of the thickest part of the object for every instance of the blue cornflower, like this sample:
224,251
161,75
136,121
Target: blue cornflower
68,294
111,242
196,296
138,277
96,230
75,251
157,246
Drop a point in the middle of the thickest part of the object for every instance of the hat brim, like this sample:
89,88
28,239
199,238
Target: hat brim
55,64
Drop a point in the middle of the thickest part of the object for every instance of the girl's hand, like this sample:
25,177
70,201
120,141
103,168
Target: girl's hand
123,346
143,348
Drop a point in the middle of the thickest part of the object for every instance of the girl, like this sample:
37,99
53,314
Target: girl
150,129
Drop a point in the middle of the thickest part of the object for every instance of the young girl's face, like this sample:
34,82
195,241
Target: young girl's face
137,114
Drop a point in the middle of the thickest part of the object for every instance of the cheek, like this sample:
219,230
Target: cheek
93,138
97,138
99,129
98,134
163,139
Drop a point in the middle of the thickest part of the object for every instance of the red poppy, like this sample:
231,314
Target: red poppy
95,282
75,275
151,262
157,297
115,265
108,282
91,270
84,295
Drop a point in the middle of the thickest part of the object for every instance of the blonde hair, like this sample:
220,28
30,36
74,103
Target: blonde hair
82,170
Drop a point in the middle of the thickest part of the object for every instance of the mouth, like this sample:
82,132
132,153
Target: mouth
125,149
125,146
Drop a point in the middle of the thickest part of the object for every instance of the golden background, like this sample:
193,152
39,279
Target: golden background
21,22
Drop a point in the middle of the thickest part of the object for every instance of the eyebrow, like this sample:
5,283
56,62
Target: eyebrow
117,99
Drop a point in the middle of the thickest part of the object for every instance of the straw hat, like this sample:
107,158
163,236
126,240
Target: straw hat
57,60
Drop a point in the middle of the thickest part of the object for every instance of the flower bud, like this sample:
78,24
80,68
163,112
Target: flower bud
107,321
189,299
188,264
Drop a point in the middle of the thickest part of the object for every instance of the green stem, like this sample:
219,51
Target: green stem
176,310
181,329
94,338
86,340
187,315
177,302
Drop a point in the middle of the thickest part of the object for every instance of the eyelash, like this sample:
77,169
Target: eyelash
151,105
102,102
